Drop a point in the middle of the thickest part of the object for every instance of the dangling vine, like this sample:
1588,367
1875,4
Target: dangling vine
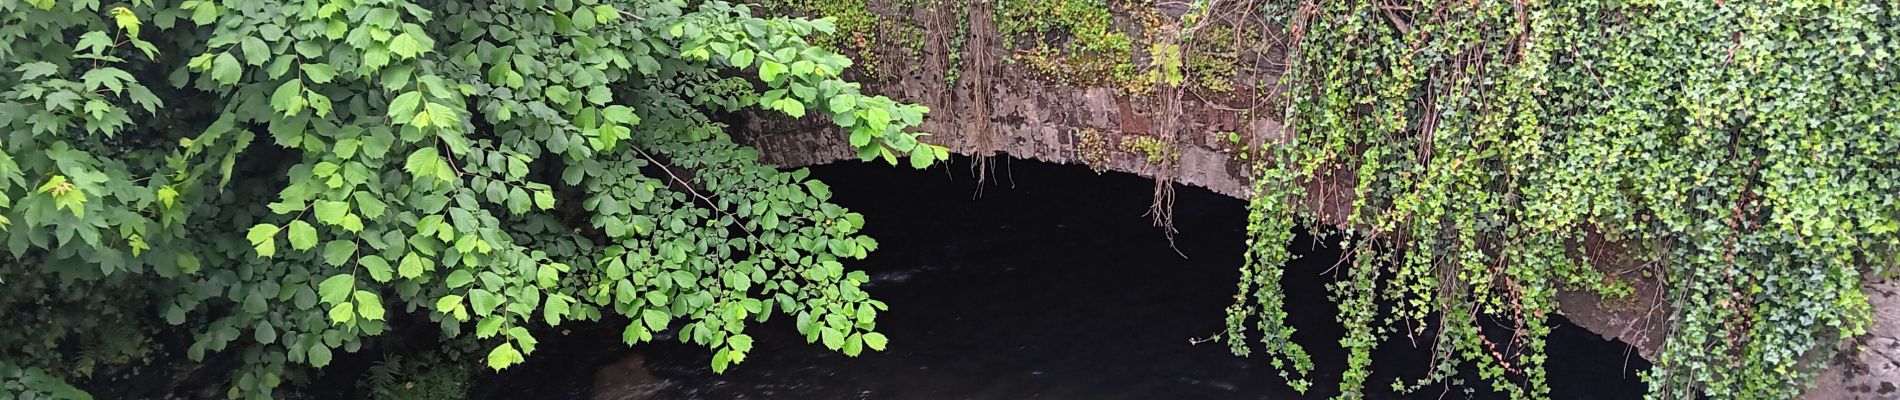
1752,146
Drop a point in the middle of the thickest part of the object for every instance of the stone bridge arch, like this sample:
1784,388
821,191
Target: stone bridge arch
986,100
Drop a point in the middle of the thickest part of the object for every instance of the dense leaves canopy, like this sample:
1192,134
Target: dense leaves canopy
279,181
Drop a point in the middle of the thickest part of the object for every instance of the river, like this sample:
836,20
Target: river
1050,284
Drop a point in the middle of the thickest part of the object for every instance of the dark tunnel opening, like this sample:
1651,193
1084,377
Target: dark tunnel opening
1050,284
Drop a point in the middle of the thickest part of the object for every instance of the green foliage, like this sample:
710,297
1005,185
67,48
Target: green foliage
279,182
1075,41
1747,147
429,376
17,383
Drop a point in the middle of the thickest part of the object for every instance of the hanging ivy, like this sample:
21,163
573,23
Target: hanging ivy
1750,148
281,181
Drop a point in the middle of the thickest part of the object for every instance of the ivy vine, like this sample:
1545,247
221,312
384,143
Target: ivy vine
1747,147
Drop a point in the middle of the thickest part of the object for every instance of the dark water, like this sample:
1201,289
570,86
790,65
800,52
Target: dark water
1051,285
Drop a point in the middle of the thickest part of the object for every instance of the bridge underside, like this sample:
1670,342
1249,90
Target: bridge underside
1000,105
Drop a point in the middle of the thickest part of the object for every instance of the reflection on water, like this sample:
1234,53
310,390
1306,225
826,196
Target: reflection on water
1056,288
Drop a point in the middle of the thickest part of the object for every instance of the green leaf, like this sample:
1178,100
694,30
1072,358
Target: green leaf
853,345
620,114
740,342
770,70
369,205
794,108
369,305
319,355
302,235
403,107
921,157
818,189
544,199
721,360
377,267
318,72
225,69
255,51
483,301
518,201
337,252
503,357
331,212
832,337
411,266
843,103
263,238
36,69
741,58
875,341
489,327
877,119
288,98
422,162
448,303
264,333
405,46
458,278
342,313
655,319
554,309
336,288
584,18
